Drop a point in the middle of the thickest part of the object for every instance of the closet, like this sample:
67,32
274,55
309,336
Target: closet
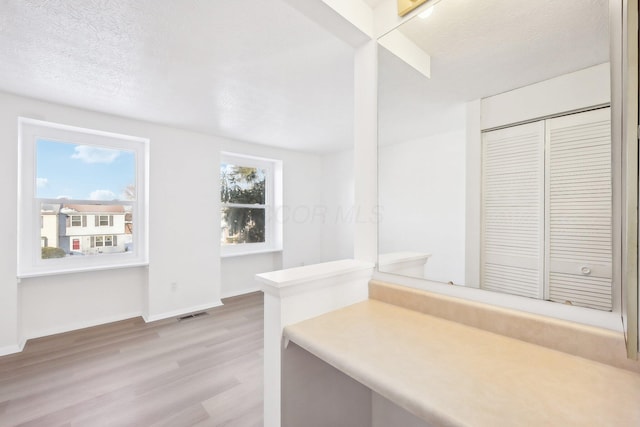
546,210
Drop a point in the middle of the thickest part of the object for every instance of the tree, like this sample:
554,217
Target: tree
129,192
243,186
49,252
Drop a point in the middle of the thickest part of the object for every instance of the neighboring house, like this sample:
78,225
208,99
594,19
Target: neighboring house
49,228
87,229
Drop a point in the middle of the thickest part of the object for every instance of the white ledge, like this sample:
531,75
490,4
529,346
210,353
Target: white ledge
399,257
275,281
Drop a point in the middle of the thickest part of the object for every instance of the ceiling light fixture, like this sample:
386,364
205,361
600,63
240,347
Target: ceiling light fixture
427,12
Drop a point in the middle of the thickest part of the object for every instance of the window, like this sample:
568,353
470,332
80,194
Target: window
104,220
250,192
74,182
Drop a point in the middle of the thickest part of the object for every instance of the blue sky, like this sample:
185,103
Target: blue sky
83,172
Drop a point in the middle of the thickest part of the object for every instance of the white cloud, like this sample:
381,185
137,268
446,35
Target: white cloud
102,195
42,182
90,154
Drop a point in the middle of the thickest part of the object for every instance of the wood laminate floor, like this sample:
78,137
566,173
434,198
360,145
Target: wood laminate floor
203,371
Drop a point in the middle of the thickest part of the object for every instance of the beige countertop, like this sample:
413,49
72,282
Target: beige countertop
451,374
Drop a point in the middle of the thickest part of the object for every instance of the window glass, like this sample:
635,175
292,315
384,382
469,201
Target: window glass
242,185
84,184
84,172
103,220
250,192
243,225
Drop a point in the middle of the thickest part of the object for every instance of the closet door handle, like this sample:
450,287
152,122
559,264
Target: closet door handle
585,270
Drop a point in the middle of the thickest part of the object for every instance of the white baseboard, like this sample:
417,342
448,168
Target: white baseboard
81,325
236,292
11,349
182,311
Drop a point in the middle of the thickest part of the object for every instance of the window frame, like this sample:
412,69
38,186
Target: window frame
107,220
272,204
73,221
29,260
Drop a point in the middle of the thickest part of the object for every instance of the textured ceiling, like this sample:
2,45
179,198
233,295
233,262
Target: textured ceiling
262,72
481,48
256,70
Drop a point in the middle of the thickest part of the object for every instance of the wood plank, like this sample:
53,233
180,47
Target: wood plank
205,370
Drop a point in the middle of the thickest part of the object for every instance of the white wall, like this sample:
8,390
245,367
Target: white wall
583,88
337,205
183,231
179,181
184,272
304,216
422,200
9,328
237,273
365,141
85,299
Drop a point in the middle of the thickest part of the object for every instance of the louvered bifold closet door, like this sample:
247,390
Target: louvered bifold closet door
579,217
513,210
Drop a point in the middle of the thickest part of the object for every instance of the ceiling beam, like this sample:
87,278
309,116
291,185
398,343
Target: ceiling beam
349,20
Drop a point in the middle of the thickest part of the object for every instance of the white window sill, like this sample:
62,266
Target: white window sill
80,270
249,252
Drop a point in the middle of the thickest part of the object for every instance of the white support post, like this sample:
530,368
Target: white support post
297,294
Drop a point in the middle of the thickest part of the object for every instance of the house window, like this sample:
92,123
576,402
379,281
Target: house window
71,175
250,194
104,220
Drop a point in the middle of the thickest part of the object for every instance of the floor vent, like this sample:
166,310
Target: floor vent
192,316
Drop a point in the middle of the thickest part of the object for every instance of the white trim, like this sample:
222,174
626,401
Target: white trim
250,252
293,280
29,262
11,349
84,324
181,312
272,205
84,269
77,129
239,292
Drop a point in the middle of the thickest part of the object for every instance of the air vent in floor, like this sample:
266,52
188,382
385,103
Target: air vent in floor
193,315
